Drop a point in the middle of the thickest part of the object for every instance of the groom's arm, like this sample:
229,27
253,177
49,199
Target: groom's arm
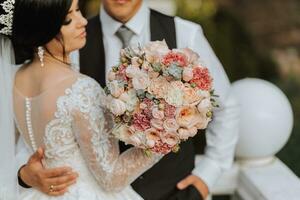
33,174
222,132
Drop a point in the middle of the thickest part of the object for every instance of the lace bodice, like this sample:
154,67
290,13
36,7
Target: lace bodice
71,119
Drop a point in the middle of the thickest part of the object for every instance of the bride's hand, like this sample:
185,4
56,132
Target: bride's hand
54,182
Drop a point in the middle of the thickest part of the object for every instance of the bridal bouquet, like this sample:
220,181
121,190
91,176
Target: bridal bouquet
159,97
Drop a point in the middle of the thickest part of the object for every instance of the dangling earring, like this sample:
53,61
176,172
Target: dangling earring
41,52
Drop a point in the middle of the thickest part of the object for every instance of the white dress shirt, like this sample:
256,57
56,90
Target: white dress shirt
222,133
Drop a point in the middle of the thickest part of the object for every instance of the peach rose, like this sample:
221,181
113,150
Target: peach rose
170,125
152,136
158,87
187,74
191,96
170,138
187,116
203,123
184,133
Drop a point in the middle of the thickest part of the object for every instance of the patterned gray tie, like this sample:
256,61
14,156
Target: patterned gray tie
125,35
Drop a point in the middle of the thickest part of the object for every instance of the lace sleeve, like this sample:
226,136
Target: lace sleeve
92,125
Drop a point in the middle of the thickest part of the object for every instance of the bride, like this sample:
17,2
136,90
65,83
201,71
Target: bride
57,107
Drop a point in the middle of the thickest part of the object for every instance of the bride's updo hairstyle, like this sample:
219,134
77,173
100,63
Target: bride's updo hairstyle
35,23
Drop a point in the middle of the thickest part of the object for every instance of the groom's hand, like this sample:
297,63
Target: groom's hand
196,182
53,182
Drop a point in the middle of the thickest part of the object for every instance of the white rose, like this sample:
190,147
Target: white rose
130,99
131,71
117,107
140,81
204,106
115,88
203,93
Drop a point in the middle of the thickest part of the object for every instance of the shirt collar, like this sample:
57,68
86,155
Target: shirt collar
136,23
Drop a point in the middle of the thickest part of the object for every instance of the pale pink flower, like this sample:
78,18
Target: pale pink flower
158,114
192,57
140,81
156,123
170,125
135,62
132,71
187,74
155,50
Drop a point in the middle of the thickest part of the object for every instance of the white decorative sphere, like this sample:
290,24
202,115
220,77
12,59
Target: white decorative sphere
266,118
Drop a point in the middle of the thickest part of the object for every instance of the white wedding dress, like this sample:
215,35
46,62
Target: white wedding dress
70,120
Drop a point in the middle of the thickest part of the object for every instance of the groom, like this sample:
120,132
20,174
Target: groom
123,23
176,176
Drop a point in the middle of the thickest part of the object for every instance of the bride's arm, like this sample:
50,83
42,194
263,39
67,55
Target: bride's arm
92,126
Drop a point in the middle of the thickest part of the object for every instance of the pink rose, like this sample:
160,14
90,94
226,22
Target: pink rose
170,138
158,87
140,81
156,123
187,116
155,50
170,125
152,136
184,134
187,74
192,57
158,114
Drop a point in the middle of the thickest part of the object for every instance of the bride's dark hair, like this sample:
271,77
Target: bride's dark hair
35,23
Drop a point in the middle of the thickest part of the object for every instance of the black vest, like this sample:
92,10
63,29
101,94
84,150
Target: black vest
159,181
